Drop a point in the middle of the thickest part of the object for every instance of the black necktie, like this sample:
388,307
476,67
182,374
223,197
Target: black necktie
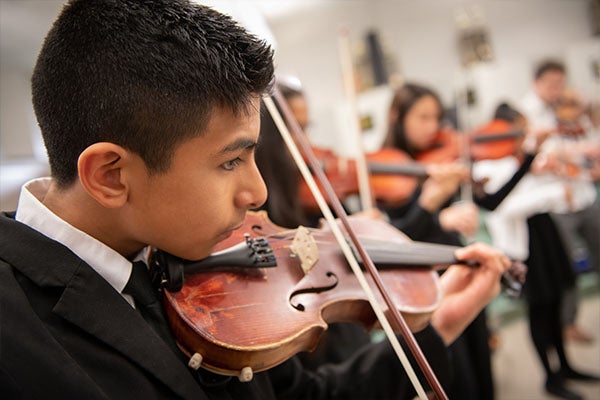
148,303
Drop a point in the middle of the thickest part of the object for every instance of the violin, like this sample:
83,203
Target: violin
497,139
568,110
269,292
393,176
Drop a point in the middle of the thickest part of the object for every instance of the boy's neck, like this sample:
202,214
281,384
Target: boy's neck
74,206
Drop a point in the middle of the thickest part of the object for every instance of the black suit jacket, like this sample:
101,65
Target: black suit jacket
66,333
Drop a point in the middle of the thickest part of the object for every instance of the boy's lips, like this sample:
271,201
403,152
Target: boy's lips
230,231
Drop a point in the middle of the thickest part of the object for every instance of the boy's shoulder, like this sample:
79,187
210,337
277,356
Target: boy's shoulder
35,255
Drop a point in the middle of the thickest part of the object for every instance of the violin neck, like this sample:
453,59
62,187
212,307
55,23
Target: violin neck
494,137
408,169
411,255
420,255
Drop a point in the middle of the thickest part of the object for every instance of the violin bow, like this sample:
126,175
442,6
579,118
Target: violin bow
466,187
364,187
397,318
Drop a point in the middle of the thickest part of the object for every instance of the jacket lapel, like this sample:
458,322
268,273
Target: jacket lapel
89,302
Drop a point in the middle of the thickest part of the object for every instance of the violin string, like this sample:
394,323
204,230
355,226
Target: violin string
304,170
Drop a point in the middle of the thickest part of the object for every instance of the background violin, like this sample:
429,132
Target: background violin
496,139
393,176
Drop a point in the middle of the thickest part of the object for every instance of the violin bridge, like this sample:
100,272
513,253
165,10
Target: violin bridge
305,247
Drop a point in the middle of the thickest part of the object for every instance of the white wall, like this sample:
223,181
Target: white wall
23,25
308,47
15,115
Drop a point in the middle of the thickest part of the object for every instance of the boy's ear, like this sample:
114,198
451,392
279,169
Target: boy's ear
100,172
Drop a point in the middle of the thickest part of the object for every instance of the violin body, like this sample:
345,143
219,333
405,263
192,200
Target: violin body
341,173
395,176
258,318
444,149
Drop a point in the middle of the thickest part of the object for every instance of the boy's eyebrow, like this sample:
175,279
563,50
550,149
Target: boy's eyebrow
239,144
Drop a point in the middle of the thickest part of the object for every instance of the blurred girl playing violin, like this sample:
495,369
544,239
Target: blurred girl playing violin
415,121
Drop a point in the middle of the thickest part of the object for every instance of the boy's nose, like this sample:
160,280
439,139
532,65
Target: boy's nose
255,193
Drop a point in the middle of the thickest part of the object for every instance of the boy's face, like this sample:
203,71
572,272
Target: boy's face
211,183
550,86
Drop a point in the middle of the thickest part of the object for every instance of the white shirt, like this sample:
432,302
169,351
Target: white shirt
111,265
539,114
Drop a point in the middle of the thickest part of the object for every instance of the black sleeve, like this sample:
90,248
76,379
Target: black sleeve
491,201
413,220
373,372
417,223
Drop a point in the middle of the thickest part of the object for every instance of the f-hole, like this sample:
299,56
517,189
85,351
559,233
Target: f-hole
333,281
257,228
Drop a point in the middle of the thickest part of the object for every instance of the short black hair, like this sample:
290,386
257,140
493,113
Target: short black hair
506,112
547,66
143,74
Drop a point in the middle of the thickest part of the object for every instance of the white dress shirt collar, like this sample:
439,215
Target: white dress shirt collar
111,265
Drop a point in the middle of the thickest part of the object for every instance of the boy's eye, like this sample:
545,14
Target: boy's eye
230,165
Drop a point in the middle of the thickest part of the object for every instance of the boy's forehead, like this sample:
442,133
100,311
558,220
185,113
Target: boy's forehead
226,125
223,113
552,75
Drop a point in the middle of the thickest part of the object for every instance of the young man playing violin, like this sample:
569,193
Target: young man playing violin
150,116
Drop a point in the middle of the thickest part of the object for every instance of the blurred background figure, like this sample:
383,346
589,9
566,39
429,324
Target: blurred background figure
433,215
549,105
522,226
